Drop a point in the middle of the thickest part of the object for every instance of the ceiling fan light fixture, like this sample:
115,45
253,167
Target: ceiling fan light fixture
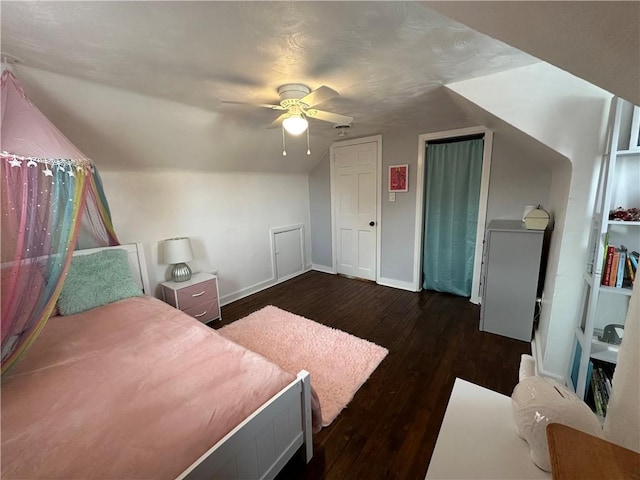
295,124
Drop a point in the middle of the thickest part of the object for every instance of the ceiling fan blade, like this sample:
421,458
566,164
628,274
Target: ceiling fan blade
264,105
319,95
328,117
278,121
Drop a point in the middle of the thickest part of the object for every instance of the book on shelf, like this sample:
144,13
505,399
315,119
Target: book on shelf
631,273
605,253
593,266
628,271
589,373
613,275
622,262
607,384
600,386
607,265
597,394
620,267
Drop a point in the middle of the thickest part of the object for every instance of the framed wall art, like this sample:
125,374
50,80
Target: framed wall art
399,178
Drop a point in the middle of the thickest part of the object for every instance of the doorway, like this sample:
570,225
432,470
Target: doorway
482,203
355,206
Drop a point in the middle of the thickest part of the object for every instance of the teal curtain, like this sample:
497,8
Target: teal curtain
453,177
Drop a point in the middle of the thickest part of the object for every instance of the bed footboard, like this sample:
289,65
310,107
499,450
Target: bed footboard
261,445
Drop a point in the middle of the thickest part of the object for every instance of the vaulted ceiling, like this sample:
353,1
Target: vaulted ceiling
388,60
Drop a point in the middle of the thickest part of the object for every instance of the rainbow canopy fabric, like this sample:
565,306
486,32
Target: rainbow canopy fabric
52,202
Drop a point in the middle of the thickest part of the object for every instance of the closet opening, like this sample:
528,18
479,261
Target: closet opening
451,200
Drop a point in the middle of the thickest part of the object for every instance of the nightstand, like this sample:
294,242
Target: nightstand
575,454
197,297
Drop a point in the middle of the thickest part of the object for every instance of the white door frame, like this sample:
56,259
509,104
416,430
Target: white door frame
334,233
482,206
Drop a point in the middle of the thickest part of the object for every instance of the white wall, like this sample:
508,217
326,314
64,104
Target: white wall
518,178
520,175
569,116
397,236
123,130
228,217
320,215
227,214
558,201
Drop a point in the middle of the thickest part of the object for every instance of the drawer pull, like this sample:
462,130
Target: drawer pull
198,294
200,314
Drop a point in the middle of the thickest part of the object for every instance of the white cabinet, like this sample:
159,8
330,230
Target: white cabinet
602,305
511,270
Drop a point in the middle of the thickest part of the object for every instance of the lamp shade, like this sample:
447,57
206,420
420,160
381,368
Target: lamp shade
177,250
295,124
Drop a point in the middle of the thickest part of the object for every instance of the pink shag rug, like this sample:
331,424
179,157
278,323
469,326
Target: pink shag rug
338,362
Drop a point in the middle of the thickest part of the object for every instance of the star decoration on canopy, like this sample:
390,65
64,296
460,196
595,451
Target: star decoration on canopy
67,165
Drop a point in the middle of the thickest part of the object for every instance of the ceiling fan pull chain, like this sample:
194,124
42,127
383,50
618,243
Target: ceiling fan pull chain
308,147
284,149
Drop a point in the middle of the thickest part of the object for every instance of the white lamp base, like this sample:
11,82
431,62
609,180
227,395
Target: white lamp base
181,272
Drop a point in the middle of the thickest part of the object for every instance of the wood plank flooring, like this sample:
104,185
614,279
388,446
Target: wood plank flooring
390,428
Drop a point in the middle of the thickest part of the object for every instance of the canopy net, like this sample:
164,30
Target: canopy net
52,203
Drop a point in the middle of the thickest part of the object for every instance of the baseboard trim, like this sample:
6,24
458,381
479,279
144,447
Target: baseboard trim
390,282
245,292
293,275
536,351
323,269
258,287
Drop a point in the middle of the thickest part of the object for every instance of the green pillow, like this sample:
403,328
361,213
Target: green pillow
97,279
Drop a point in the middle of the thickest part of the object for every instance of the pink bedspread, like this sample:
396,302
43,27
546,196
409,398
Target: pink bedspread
134,389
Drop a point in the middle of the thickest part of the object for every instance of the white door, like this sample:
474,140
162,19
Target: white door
355,181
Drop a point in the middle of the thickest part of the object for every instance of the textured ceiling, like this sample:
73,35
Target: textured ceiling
386,59
598,41
377,55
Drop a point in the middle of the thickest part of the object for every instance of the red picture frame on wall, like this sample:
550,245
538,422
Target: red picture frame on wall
399,178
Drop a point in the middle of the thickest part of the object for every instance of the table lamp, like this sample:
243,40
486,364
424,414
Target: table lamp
177,251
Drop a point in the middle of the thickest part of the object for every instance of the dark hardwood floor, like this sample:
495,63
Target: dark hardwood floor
389,429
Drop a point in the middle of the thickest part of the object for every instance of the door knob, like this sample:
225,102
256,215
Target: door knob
372,224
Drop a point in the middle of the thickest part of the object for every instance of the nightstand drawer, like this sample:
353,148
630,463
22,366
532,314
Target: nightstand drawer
197,294
205,311
197,297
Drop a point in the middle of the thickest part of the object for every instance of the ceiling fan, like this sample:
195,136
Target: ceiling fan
296,101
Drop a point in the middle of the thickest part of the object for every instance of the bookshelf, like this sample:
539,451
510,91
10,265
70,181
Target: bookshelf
605,297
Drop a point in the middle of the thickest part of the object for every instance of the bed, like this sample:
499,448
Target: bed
137,389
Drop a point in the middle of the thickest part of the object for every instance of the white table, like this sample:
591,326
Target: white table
478,440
